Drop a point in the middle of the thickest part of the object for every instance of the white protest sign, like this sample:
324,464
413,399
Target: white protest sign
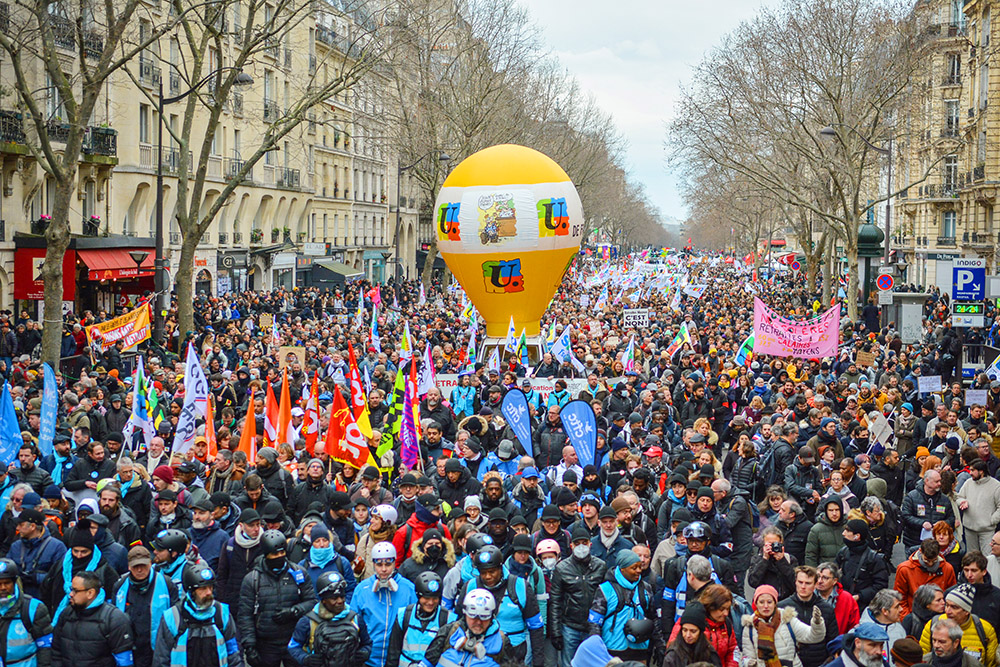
929,384
447,382
635,318
976,396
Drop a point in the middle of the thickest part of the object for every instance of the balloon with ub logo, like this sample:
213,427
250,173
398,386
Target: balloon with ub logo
509,222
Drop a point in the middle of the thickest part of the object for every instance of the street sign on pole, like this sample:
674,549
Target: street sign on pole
885,297
965,314
885,282
968,279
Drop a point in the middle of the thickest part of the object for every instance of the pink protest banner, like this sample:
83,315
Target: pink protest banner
779,336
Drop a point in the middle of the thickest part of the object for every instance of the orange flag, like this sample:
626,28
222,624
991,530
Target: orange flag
310,425
270,417
213,446
284,409
248,436
339,417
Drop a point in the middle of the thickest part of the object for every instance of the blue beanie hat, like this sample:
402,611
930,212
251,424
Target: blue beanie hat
591,653
319,530
627,558
908,406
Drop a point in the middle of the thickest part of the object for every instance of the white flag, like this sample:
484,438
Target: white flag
195,402
425,377
510,345
494,363
423,296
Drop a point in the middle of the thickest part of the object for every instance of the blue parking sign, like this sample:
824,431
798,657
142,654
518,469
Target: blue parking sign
968,279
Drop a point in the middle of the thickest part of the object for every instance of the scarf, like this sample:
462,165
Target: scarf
607,541
67,573
766,628
243,541
952,661
320,556
380,535
57,470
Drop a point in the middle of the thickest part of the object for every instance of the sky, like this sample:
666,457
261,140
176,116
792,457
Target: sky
634,56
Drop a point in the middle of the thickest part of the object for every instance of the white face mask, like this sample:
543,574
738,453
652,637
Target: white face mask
549,563
581,551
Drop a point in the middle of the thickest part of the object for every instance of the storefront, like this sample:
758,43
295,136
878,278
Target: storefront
283,271
99,273
232,270
375,265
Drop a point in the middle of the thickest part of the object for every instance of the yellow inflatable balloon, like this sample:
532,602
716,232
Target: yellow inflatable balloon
509,223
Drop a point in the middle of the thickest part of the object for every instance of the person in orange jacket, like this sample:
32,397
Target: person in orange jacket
925,566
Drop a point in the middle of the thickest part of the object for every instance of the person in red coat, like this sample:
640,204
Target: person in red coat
426,515
925,566
719,631
845,607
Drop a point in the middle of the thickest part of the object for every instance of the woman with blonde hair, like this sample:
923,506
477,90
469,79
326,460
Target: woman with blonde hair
703,426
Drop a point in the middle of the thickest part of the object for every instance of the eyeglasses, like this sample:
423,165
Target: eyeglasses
385,561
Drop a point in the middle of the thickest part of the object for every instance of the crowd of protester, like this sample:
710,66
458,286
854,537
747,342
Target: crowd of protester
757,514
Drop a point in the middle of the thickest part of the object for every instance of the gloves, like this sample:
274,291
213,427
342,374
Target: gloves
285,616
817,615
557,642
252,656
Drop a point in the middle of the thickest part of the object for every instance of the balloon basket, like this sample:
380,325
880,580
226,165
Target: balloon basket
536,349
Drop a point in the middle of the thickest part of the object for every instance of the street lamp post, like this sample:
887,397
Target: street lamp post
161,298
397,272
829,131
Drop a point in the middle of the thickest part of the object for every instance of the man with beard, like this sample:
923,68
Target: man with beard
610,540
121,524
198,630
494,496
221,478
434,444
144,596
61,460
458,484
432,408
698,539
869,640
277,480
517,627
57,587
206,534
91,632
28,473
499,529
313,489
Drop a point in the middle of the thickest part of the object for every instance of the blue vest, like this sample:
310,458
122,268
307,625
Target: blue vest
159,603
509,611
21,646
619,613
416,637
492,642
178,655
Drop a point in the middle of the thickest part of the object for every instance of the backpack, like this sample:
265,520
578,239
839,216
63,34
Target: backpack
625,598
754,512
767,471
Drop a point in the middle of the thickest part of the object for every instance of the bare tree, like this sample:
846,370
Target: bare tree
59,94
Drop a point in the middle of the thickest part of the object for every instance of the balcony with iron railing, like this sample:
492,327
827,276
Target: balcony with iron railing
58,130
237,238
63,31
946,241
11,127
93,44
232,167
271,111
326,36
101,141
175,238
286,177
149,73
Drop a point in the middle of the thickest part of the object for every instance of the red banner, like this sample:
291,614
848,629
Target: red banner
28,283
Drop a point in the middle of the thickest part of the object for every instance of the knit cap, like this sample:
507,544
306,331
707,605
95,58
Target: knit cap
764,589
961,596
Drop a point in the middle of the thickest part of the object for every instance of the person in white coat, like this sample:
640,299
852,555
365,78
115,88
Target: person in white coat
769,630
979,503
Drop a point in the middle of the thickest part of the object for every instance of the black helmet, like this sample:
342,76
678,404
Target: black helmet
698,530
331,585
272,541
197,575
476,542
638,630
488,558
8,569
171,539
428,585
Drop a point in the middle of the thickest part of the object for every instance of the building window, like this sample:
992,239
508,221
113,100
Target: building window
144,123
950,173
948,224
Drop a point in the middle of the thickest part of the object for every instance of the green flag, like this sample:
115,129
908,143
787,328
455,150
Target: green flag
392,421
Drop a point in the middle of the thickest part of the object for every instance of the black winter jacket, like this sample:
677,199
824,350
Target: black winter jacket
234,564
91,637
796,536
262,595
919,508
573,584
37,478
86,470
863,572
305,494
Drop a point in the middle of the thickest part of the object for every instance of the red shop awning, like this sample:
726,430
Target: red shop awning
114,264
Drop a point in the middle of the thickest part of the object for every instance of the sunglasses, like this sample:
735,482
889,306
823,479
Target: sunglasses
385,561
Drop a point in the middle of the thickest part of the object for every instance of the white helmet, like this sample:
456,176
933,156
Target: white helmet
479,603
386,512
383,551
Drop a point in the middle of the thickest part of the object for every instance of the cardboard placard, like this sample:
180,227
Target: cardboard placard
865,358
265,320
290,354
635,318
929,384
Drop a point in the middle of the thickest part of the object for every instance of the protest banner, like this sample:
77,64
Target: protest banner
131,329
290,354
865,359
782,337
929,384
635,318
447,382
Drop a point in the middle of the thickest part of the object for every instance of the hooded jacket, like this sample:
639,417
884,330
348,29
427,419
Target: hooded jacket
419,562
913,573
412,531
826,537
